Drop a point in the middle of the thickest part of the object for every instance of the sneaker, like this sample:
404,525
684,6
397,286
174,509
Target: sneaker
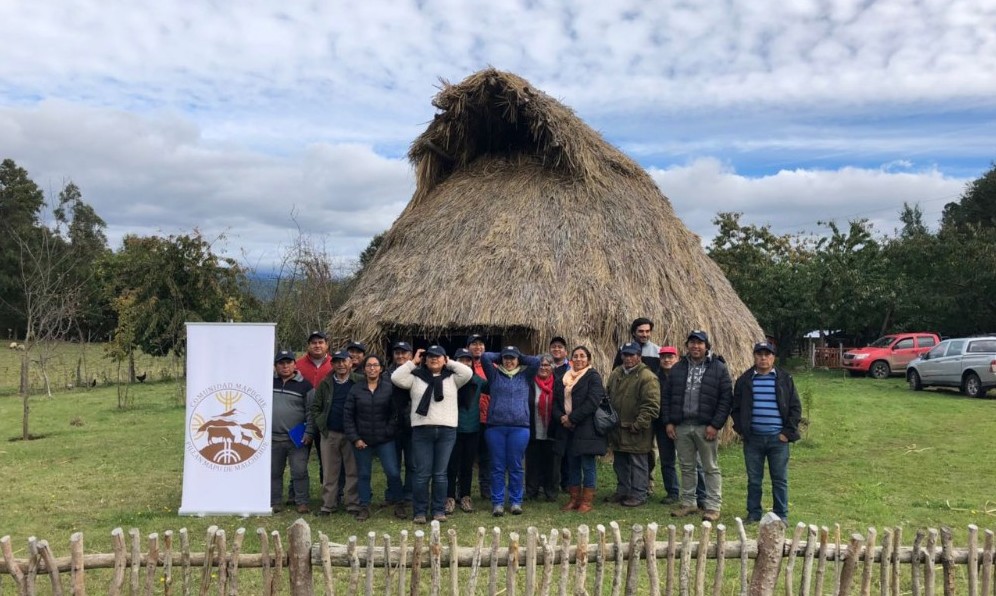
466,504
363,514
631,502
400,510
710,515
418,519
439,517
516,509
685,511
450,506
498,511
302,508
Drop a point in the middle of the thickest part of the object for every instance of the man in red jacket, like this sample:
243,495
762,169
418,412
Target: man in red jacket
314,366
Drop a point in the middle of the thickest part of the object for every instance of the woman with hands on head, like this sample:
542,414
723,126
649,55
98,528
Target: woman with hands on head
433,382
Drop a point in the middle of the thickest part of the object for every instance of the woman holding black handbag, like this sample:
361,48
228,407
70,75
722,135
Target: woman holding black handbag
576,397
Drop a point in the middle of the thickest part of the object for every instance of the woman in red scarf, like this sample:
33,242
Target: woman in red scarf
542,465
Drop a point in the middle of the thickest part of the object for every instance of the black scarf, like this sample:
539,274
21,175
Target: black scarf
434,388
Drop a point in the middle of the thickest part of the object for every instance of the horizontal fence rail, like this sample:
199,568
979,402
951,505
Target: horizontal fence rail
651,560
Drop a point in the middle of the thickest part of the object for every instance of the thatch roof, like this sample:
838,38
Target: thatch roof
524,217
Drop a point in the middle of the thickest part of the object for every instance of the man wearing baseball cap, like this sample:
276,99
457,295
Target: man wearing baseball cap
402,352
476,347
314,366
292,430
766,413
698,396
338,461
635,394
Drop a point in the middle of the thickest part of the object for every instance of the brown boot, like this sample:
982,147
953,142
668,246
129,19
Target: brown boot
575,492
587,498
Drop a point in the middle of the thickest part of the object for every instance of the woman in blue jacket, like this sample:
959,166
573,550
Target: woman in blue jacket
508,423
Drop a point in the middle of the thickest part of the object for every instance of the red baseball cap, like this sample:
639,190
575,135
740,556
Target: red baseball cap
668,350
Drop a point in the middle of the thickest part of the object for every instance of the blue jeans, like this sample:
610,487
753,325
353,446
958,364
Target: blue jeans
431,448
669,469
507,445
757,448
388,461
403,450
581,471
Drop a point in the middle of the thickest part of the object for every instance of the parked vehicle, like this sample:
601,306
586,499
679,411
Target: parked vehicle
889,354
969,364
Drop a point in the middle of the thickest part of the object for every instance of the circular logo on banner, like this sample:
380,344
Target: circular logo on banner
227,426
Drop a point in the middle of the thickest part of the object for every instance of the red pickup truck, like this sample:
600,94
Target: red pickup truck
889,354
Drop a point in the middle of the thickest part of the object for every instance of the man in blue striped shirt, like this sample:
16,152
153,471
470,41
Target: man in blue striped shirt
766,413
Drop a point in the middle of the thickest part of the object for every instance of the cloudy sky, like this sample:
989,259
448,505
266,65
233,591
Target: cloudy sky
258,118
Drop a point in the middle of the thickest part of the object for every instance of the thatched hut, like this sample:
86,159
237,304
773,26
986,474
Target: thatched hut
525,224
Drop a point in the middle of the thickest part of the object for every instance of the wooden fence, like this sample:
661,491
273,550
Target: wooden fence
647,562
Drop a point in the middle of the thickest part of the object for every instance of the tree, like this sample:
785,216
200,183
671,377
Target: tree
51,291
854,291
771,273
78,223
308,288
20,205
169,281
977,205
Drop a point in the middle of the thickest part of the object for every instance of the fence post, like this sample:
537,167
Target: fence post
299,559
770,542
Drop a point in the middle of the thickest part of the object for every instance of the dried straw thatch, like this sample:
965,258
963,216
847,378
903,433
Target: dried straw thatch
526,223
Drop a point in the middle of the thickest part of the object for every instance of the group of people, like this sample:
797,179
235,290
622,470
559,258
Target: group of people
528,424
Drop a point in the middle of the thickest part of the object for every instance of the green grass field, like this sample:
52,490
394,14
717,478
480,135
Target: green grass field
64,358
876,454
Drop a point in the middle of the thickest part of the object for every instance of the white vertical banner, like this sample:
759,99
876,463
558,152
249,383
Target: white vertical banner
226,465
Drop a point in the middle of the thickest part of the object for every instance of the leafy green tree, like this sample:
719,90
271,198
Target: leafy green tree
977,205
773,274
167,281
83,229
20,205
855,293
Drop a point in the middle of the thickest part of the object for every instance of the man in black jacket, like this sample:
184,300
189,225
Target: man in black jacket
697,397
766,413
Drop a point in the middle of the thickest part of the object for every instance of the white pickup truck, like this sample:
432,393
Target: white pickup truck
967,363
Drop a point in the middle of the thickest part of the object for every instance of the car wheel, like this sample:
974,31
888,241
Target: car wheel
913,378
855,373
880,370
972,386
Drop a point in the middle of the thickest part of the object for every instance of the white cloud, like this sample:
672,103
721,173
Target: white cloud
796,200
229,116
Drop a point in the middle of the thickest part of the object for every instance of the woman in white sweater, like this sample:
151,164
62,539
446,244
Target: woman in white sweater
433,388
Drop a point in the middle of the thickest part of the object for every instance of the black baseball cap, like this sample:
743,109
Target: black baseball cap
355,345
462,353
762,346
631,348
436,350
475,337
699,335
401,345
284,355
315,334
